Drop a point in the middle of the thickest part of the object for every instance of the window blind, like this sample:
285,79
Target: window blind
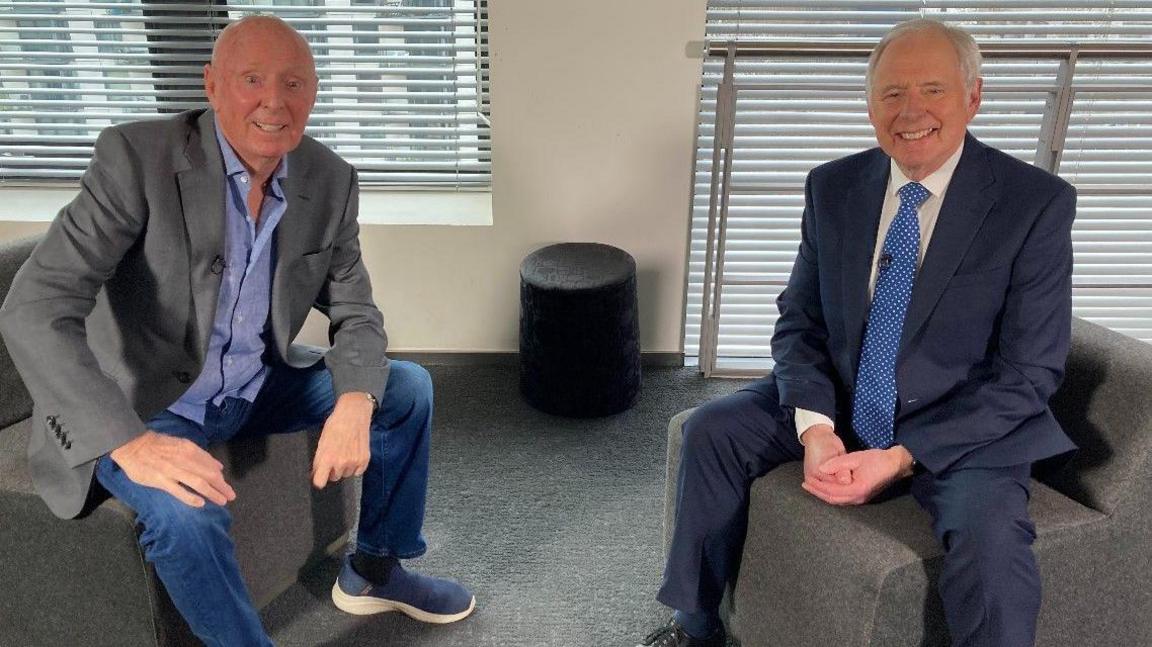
401,95
1108,157
793,114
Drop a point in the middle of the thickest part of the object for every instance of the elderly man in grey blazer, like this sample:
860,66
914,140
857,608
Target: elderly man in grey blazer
155,318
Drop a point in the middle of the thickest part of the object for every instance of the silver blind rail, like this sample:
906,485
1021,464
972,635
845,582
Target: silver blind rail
781,108
998,49
403,86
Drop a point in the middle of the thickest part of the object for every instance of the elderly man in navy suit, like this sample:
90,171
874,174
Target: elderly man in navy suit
924,328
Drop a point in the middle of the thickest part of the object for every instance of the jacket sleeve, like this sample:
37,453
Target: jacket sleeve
43,317
803,367
1026,364
356,327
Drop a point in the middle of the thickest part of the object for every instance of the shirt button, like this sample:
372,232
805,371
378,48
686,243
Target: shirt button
244,179
228,362
240,318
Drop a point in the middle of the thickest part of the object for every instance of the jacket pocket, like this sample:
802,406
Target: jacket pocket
992,276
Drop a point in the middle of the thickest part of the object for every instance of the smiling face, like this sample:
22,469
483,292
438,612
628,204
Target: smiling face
262,85
918,104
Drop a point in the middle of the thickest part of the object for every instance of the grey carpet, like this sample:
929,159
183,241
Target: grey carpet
554,523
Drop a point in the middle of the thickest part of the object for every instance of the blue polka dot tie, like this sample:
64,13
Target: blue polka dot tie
874,403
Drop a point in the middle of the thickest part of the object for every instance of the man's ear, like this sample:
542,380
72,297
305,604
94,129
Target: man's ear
975,97
209,82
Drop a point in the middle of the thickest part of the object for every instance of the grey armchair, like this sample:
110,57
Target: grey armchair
85,581
866,576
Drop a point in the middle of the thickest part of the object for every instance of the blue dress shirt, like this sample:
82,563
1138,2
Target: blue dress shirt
234,365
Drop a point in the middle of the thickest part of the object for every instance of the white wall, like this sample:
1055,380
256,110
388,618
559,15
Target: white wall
593,109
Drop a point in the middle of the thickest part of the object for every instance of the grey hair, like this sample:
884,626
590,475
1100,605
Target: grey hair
966,48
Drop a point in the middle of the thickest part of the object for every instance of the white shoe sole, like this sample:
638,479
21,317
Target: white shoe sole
364,605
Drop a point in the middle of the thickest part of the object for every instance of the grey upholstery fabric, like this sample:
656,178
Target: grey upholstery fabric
15,404
813,574
85,581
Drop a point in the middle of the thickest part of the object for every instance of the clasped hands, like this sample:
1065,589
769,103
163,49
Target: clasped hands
183,469
835,476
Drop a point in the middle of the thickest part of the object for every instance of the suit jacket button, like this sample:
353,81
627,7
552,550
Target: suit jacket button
183,377
68,445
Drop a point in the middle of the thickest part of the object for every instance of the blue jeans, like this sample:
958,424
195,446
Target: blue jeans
191,548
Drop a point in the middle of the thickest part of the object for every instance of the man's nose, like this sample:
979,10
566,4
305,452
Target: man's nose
273,96
913,105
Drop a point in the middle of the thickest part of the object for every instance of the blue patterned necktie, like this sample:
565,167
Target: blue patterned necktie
874,404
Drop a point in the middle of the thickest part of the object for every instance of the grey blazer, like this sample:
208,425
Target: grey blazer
109,320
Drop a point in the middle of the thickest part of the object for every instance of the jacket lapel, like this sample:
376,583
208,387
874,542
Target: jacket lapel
861,220
201,185
292,236
969,198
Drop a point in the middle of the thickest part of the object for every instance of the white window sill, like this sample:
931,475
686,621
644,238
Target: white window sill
378,206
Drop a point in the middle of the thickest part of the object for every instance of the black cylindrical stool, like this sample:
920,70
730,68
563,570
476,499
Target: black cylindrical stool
579,336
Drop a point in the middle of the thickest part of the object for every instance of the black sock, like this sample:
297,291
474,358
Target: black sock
373,568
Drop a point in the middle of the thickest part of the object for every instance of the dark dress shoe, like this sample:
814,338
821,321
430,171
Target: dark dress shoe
673,635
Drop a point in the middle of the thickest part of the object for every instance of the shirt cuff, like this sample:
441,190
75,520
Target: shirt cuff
805,419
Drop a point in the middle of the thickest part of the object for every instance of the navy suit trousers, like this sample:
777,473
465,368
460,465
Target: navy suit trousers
990,586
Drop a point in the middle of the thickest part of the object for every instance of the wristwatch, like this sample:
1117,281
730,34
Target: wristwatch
372,399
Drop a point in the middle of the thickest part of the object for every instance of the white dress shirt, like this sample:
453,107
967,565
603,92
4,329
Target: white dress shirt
937,184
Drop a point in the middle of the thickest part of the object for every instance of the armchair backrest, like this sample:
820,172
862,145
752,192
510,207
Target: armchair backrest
15,404
1105,406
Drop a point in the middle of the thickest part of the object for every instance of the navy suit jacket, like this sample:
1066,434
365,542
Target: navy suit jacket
987,330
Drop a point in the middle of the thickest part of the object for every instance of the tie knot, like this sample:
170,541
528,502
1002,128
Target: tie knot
913,194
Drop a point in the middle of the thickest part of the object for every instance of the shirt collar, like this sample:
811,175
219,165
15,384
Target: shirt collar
936,182
233,166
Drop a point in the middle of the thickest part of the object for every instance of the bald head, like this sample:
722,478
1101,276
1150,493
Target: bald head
261,28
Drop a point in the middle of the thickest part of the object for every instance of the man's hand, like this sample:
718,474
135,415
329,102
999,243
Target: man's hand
821,444
176,465
872,470
343,449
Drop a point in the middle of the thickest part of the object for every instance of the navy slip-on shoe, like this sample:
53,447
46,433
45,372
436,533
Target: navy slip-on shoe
420,597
